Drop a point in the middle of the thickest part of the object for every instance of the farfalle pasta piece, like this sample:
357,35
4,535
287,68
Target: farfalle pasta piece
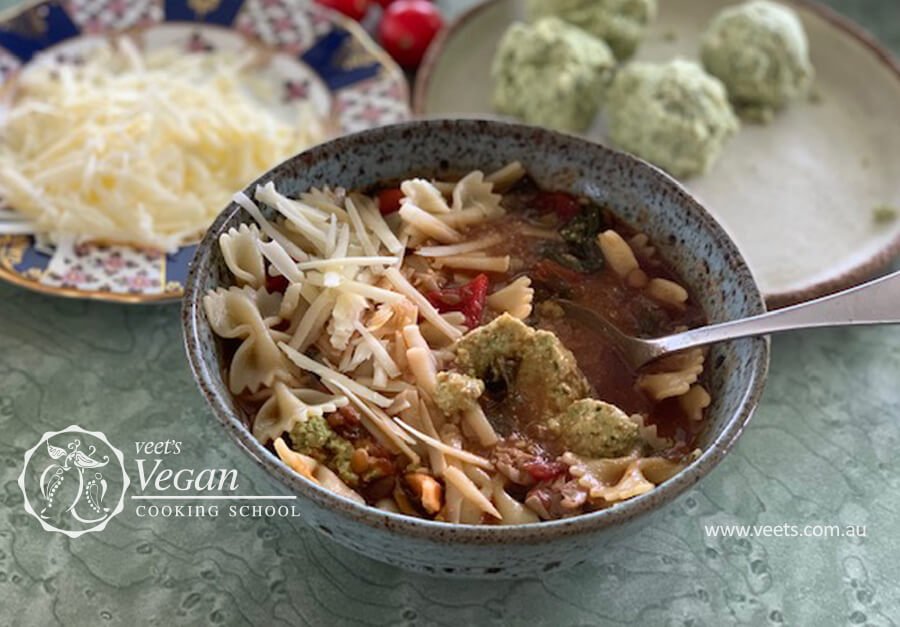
694,401
472,192
222,316
650,435
514,299
621,478
286,407
238,313
242,255
673,376
423,195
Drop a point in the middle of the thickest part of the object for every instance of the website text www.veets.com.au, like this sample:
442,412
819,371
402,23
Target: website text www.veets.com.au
785,530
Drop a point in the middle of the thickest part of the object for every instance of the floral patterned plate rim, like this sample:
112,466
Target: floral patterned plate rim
334,64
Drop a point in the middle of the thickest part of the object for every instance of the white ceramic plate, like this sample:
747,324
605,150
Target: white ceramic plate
797,194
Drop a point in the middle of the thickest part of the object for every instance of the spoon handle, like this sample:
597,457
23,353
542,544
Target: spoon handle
875,302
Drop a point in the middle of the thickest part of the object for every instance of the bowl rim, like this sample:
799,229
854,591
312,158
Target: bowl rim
850,276
217,396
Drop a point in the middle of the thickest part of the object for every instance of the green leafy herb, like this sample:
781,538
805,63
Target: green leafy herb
580,234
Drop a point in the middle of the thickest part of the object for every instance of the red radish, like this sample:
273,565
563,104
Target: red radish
407,28
354,9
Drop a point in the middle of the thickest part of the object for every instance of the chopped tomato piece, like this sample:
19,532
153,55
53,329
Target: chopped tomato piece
354,9
564,205
389,200
543,470
468,298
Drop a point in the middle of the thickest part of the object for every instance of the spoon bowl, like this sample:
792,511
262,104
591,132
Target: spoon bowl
875,302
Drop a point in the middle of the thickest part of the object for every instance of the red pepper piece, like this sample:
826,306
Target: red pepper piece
468,298
565,206
389,200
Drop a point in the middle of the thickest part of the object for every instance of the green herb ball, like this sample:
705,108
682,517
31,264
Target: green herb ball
673,114
620,23
760,52
551,74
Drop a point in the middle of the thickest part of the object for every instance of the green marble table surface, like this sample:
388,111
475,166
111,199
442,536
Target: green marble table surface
822,449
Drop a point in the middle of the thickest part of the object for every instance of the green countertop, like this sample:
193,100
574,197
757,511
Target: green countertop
821,450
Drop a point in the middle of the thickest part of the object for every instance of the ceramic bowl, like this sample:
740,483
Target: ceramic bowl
686,234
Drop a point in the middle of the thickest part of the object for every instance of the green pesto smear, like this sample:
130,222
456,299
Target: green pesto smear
315,438
885,214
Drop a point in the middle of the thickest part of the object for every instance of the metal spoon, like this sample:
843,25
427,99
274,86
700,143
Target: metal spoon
875,302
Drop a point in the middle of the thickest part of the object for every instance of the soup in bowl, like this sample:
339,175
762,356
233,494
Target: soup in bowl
378,322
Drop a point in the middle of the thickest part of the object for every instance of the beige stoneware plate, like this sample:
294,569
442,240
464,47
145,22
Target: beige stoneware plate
797,194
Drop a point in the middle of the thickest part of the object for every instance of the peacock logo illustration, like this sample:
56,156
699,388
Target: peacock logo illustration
74,481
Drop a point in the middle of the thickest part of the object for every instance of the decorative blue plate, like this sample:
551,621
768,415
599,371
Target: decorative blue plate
319,56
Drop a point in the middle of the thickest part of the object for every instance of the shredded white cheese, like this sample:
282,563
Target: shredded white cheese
138,148
428,311
460,454
326,373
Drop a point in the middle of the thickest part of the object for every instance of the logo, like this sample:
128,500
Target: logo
74,481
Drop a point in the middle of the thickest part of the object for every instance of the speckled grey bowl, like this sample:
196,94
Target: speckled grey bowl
685,233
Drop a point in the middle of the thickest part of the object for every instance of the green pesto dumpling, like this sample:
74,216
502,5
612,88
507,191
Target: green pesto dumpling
672,114
596,429
760,52
620,23
551,74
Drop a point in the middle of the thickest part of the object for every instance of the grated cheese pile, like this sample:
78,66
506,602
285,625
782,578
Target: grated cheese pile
138,148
